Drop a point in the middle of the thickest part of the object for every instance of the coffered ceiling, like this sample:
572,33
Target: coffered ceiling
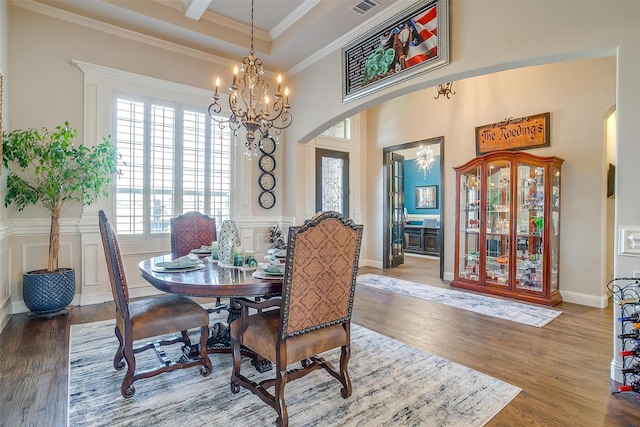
289,35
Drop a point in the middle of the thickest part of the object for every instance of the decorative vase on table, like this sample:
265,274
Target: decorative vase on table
228,239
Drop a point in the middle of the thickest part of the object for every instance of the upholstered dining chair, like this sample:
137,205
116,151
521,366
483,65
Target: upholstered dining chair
191,230
150,317
313,314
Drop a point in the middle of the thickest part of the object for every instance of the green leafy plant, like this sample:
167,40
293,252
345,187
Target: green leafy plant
46,168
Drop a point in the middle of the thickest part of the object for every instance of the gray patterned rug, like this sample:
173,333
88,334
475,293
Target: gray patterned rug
393,385
526,314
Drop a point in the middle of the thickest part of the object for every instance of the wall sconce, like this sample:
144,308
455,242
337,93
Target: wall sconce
445,90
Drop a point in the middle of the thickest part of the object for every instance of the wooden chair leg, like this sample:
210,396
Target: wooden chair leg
206,368
185,338
235,371
127,389
344,374
118,362
278,394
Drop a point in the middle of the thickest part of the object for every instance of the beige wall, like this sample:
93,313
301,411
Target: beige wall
514,39
577,126
44,52
46,95
5,283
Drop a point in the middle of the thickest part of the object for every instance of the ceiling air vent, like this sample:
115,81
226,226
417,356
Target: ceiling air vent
364,6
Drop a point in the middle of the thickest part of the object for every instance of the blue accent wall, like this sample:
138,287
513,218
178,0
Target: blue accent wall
413,178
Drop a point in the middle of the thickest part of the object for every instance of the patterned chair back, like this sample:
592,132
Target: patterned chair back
320,273
191,231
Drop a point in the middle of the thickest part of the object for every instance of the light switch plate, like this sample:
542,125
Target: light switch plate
629,240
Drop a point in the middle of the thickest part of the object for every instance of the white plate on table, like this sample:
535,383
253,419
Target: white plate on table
260,274
179,264
277,253
201,251
158,269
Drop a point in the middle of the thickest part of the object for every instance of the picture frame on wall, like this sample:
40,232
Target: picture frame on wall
427,197
412,42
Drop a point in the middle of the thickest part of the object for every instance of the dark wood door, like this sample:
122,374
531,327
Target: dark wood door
394,238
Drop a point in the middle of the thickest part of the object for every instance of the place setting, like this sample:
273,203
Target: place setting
202,251
273,267
269,271
190,262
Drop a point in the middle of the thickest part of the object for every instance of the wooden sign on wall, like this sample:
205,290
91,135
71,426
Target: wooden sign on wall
514,134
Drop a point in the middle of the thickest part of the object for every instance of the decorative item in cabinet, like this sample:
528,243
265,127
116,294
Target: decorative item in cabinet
508,226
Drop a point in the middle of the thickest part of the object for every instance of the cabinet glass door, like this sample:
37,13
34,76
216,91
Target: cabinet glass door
498,222
469,225
554,233
530,227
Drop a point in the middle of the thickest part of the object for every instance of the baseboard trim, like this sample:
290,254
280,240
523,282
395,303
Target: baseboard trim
584,299
616,374
5,314
370,263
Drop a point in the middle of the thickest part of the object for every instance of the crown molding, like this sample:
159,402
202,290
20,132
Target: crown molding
114,30
293,17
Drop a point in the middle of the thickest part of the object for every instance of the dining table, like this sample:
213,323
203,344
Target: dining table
213,280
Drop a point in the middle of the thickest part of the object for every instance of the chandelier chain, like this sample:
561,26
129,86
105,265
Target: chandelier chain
251,51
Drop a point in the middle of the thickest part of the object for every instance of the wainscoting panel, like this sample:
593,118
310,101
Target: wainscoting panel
36,255
5,283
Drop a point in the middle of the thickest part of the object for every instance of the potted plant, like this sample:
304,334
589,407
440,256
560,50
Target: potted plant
46,168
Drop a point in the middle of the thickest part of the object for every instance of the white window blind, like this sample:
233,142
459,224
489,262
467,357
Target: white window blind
175,161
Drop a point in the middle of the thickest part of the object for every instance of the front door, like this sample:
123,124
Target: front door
394,202
332,181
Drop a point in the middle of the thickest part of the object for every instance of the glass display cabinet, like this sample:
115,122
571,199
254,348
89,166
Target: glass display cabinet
508,226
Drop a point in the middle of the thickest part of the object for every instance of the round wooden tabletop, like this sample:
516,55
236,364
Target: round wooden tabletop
211,281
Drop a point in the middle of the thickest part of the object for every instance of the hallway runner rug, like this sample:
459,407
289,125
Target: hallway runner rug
526,314
393,384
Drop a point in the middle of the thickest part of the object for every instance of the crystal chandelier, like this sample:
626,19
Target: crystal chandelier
425,158
250,104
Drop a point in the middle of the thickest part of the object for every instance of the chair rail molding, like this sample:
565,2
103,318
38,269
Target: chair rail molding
37,226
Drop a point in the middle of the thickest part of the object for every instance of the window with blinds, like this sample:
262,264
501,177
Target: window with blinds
175,160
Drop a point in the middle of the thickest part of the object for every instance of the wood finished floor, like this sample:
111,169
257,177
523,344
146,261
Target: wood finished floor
562,368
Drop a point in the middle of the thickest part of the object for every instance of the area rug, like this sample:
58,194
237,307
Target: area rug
393,385
526,314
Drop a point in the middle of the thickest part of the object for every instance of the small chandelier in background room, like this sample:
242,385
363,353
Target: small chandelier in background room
445,90
425,158
250,104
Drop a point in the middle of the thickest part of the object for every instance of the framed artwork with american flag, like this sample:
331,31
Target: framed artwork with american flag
412,42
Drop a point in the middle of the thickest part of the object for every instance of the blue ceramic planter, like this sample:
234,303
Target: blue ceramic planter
48,292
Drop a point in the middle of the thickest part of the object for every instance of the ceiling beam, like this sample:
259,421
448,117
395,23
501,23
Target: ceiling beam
194,9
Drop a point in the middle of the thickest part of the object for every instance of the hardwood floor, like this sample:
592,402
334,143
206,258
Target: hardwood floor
562,368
